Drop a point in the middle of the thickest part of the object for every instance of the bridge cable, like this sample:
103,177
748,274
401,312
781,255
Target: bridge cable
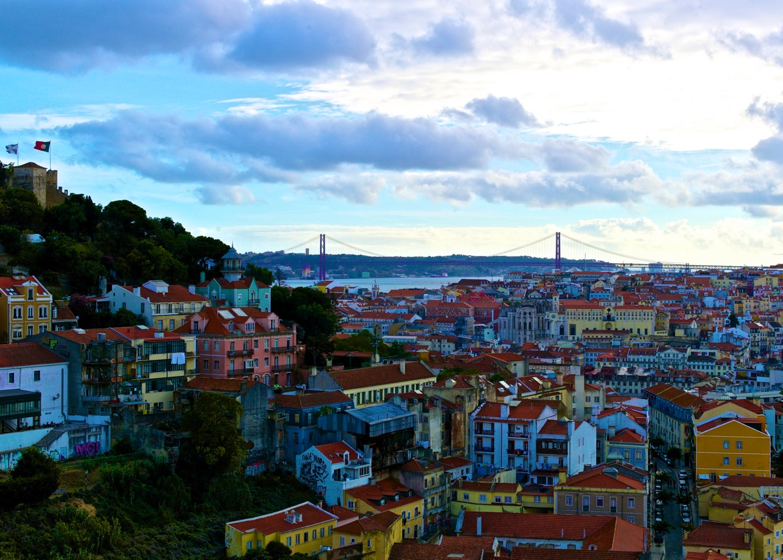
363,251
633,259
291,249
515,249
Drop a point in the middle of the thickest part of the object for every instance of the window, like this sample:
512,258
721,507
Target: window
569,500
29,294
217,346
323,531
206,364
465,497
508,499
638,454
172,325
288,541
36,375
585,503
725,444
498,500
250,545
160,324
739,461
17,332
631,519
11,377
342,541
613,505
29,312
255,343
17,312
217,365
369,543
306,536
41,328
315,534
631,503
142,308
739,444
482,497
30,330
297,537
43,312
726,461
599,501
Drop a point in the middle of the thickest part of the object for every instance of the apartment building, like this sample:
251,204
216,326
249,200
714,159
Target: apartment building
25,306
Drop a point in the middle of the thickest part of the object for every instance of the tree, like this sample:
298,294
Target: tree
280,276
733,321
319,326
657,441
204,253
661,527
260,273
777,464
25,213
674,454
278,551
33,479
216,446
666,496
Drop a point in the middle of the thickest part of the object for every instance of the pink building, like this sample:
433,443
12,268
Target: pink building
242,343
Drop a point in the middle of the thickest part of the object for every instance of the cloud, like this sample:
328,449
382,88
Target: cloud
74,37
767,47
503,111
236,148
753,187
298,34
569,156
360,189
448,37
584,20
617,226
224,195
761,211
629,182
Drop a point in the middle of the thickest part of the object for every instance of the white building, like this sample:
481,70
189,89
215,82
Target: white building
332,468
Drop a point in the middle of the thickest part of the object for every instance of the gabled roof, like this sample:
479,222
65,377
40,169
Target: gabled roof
600,478
676,396
741,403
449,463
220,385
27,354
718,535
335,452
378,522
627,435
738,481
381,375
526,553
311,399
276,522
86,336
448,548
174,294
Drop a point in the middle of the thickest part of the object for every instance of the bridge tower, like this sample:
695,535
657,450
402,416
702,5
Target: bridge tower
322,257
557,251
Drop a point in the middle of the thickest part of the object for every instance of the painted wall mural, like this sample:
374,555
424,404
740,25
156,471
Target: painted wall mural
313,472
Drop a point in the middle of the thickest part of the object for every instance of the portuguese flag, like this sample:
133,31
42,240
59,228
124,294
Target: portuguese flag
43,146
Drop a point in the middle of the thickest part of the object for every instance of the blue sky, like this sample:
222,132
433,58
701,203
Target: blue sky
651,127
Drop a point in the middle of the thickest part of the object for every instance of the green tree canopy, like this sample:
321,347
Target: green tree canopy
33,479
216,446
313,311
259,273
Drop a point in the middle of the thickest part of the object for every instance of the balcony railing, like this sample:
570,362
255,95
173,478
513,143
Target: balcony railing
282,349
96,398
483,448
517,452
282,367
243,352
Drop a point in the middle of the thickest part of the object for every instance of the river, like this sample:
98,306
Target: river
386,284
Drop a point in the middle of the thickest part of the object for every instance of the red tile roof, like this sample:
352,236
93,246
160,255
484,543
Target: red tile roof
9,282
175,294
598,478
738,481
706,555
742,403
377,522
449,463
86,336
716,535
449,548
676,396
607,533
311,399
27,354
335,452
527,409
387,488
626,435
525,553
276,522
381,375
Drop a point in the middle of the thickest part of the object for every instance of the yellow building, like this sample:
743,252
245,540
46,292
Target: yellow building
764,517
485,496
163,363
735,542
735,489
369,386
731,439
376,533
581,315
304,528
24,308
389,495
766,280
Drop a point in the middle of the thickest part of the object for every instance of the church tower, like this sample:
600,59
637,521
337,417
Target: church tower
232,265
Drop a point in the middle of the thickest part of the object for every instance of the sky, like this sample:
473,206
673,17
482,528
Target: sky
652,128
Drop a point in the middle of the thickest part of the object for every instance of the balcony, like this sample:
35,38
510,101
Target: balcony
281,349
238,353
519,435
96,398
282,367
520,452
484,449
241,371
484,432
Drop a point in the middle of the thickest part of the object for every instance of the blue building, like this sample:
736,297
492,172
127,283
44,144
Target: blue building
301,410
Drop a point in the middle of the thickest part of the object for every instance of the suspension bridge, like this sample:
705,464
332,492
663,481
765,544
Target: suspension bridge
556,250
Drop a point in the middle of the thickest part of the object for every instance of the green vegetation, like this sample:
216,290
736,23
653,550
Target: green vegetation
313,311
143,509
84,241
447,373
33,479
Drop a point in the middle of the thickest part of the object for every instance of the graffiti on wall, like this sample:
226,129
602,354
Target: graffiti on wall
313,472
87,449
255,469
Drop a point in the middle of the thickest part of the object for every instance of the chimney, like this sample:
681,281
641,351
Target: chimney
159,334
313,371
611,432
478,526
242,386
136,290
101,337
192,288
202,277
402,366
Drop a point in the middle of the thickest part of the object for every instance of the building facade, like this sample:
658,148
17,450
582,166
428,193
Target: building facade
25,306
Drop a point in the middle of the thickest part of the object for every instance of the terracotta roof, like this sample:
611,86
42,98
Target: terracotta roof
706,555
752,423
459,383
449,463
276,522
527,409
450,548
135,333
381,375
611,533
86,336
8,282
738,481
742,403
556,428
202,383
418,465
627,435
311,399
342,514
377,522
174,294
526,553
386,488
720,536
27,354
676,396
335,452
598,478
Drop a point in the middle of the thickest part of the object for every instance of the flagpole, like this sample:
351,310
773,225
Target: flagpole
50,155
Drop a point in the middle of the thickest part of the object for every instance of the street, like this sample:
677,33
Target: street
672,513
